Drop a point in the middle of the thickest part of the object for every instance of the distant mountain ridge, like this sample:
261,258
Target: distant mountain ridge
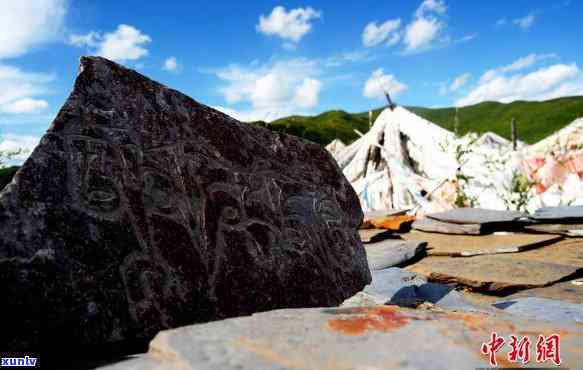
535,120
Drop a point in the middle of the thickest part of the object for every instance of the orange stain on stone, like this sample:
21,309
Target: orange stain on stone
394,223
375,318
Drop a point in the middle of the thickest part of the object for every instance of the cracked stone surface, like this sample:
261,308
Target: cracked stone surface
470,245
542,309
142,210
359,338
507,272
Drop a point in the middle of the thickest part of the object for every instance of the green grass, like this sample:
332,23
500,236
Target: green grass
322,128
535,120
6,175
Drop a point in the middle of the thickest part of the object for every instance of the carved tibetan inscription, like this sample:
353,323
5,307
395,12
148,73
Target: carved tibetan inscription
142,209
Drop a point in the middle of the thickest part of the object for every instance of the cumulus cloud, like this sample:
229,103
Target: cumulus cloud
125,43
13,143
171,65
379,83
525,22
426,27
26,24
291,26
272,90
374,34
19,90
307,93
431,6
421,32
505,84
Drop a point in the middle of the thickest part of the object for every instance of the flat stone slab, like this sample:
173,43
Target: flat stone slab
568,252
542,309
505,273
434,226
571,230
355,338
467,246
374,235
390,253
567,214
476,216
565,291
404,288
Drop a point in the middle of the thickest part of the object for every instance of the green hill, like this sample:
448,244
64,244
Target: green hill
535,120
322,128
6,175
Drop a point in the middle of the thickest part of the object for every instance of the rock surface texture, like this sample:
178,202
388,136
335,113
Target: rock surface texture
353,338
142,209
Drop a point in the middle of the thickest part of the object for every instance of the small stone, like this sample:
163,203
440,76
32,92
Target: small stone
391,253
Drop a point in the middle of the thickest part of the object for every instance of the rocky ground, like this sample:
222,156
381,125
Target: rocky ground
437,310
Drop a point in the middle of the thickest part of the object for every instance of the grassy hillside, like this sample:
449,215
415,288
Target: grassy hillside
6,175
322,128
536,120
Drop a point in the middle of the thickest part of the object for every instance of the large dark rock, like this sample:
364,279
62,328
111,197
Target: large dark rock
142,209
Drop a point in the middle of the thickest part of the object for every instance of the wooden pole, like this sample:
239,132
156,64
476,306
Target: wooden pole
514,131
456,123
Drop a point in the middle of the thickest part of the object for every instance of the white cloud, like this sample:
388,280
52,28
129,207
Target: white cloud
125,43
91,39
526,61
379,83
19,89
26,105
292,25
517,65
426,27
466,38
525,22
421,32
13,143
459,81
307,93
348,57
272,90
25,24
171,65
544,83
374,34
255,114
431,6
501,22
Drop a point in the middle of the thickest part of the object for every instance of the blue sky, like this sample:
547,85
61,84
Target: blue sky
265,59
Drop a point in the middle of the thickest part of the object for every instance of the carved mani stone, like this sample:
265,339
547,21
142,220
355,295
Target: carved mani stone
142,209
